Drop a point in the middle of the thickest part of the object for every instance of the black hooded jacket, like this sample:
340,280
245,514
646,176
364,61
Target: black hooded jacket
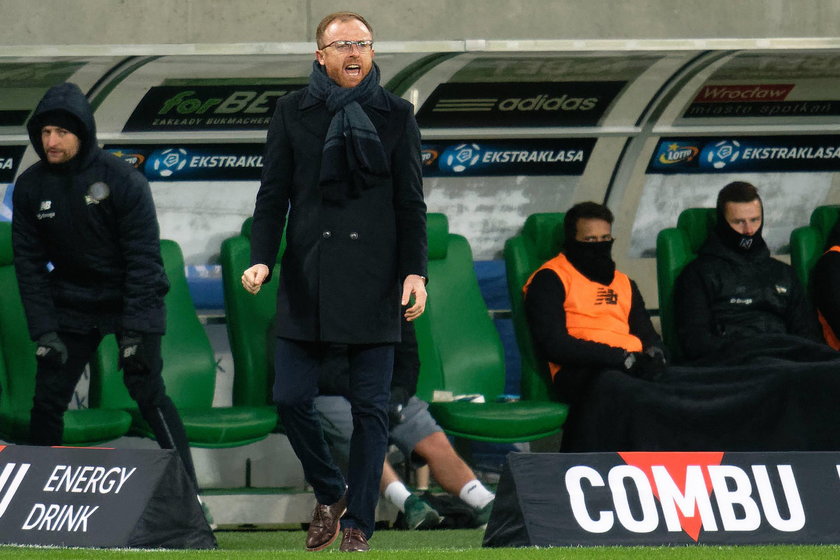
724,295
85,235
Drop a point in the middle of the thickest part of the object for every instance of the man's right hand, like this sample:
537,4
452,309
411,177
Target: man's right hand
253,278
51,350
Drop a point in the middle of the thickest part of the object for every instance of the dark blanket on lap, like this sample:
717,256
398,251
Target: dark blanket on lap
772,393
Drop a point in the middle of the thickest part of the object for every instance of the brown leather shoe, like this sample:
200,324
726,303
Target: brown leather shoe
323,529
354,540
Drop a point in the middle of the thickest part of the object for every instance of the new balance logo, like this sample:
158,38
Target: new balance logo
10,480
606,296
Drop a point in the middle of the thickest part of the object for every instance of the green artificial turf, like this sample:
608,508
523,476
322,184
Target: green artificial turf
425,545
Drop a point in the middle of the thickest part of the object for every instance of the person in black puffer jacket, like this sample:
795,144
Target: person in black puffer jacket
735,289
87,257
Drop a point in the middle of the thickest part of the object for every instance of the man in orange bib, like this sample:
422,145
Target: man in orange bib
586,316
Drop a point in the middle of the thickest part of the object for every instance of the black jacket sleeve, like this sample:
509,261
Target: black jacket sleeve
640,323
693,315
826,278
547,320
800,316
145,280
30,260
273,197
409,206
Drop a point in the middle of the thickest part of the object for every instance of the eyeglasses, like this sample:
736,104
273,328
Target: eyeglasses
347,46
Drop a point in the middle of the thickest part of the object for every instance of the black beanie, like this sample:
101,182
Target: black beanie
61,119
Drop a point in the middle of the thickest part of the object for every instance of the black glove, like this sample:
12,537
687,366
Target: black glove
396,405
657,356
51,350
131,356
650,364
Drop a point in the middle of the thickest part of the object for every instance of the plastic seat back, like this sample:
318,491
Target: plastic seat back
250,321
807,243
460,349
17,384
675,248
541,239
189,365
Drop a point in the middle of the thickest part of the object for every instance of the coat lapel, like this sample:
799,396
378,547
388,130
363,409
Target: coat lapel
313,116
378,110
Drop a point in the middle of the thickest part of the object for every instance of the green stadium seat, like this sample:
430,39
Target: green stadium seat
189,371
541,239
675,248
807,243
250,322
461,352
82,427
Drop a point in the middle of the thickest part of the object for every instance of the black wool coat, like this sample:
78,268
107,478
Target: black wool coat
344,262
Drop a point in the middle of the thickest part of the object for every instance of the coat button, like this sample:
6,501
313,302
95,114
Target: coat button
326,235
354,236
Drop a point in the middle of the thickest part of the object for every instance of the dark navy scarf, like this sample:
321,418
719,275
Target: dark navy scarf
353,156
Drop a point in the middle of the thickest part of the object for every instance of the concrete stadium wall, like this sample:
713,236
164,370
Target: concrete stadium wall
86,22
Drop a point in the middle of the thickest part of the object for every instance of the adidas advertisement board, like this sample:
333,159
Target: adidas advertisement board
539,104
92,497
717,498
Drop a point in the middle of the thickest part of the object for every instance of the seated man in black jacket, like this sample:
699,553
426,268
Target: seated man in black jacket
735,290
584,315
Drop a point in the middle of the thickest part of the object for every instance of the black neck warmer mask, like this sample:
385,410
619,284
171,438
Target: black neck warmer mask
592,259
743,244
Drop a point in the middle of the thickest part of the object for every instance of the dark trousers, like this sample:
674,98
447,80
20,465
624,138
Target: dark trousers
297,365
54,387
